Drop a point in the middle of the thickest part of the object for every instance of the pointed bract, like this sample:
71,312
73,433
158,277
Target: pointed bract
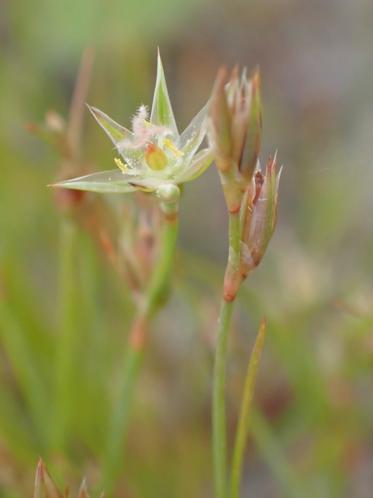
162,113
111,182
83,491
193,135
38,480
220,122
202,160
251,149
113,130
44,484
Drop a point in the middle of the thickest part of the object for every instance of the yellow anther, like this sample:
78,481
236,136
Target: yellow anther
170,145
121,165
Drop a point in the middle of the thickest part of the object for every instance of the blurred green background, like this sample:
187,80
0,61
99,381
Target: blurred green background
312,433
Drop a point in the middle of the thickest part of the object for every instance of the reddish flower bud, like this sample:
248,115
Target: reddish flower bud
259,216
236,121
235,127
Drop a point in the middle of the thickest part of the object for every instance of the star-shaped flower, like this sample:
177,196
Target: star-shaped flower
154,156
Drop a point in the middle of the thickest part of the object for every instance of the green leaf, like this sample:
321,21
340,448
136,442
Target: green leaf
245,412
162,113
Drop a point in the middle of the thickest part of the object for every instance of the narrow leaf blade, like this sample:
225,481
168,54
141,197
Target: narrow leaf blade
245,412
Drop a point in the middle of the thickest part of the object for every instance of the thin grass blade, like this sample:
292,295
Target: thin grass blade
245,412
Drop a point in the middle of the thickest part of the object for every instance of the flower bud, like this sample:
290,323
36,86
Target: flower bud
236,121
235,127
259,217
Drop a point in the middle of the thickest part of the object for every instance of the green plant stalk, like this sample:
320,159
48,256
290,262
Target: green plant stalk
65,353
118,427
25,371
245,412
219,443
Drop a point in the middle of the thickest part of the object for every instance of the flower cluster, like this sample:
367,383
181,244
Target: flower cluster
153,157
235,125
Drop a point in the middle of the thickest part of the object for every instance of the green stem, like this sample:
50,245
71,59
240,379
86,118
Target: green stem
245,412
118,427
219,442
68,309
218,408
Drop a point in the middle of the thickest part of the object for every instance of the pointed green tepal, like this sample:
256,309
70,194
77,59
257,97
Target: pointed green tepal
113,130
161,109
106,182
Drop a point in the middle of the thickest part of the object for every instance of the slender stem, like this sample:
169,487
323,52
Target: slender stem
245,412
118,427
218,404
218,408
67,334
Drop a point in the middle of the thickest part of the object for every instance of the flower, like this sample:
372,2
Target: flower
154,157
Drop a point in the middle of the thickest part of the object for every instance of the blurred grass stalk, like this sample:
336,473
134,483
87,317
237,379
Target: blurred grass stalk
25,371
119,422
65,354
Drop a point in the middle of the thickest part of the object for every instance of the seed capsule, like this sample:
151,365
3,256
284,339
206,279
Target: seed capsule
155,158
